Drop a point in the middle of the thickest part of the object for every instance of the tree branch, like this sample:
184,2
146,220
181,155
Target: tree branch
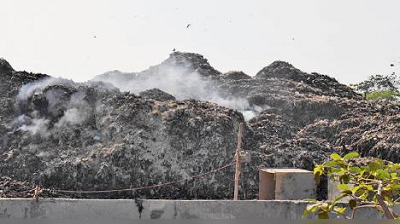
383,204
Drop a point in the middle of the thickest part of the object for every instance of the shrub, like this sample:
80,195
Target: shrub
389,95
375,186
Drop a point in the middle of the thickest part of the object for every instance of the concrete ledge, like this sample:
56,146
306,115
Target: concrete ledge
210,209
156,209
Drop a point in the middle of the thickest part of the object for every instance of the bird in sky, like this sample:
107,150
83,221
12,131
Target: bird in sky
391,65
187,27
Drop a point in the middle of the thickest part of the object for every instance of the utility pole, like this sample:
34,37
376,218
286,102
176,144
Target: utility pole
237,159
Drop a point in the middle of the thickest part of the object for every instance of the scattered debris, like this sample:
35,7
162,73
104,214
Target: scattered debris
156,94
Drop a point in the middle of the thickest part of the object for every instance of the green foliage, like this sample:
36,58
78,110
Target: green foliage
379,87
375,186
389,95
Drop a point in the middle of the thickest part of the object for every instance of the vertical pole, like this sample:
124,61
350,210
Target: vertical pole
237,158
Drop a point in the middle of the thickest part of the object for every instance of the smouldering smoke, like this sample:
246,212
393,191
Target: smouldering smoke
77,111
37,126
76,108
29,89
182,83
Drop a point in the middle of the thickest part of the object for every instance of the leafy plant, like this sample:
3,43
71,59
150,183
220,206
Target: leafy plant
389,95
375,186
378,83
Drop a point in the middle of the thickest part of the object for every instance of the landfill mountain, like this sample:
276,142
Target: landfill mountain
177,120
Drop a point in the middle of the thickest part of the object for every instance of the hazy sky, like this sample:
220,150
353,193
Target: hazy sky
347,39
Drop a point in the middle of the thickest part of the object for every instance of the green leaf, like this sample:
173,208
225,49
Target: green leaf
313,207
340,210
364,196
342,164
368,187
380,162
359,192
335,156
319,170
351,155
363,169
382,174
389,200
342,172
348,192
330,164
323,215
356,189
343,187
306,213
373,166
355,169
352,204
394,166
335,170
340,197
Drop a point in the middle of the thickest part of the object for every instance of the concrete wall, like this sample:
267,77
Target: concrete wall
156,209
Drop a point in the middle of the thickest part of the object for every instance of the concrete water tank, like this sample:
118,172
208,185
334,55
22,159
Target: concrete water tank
286,184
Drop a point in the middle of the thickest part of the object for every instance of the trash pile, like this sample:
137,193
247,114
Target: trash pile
156,94
177,120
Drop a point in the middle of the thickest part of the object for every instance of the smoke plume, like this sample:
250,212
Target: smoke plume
180,81
61,108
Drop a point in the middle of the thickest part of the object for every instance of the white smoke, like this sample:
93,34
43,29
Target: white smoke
32,123
29,89
72,116
76,112
254,111
177,81
37,126
181,82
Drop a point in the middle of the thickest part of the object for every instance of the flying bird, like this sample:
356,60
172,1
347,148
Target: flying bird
187,27
173,50
391,65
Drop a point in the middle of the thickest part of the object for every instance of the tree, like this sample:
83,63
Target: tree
375,186
379,84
